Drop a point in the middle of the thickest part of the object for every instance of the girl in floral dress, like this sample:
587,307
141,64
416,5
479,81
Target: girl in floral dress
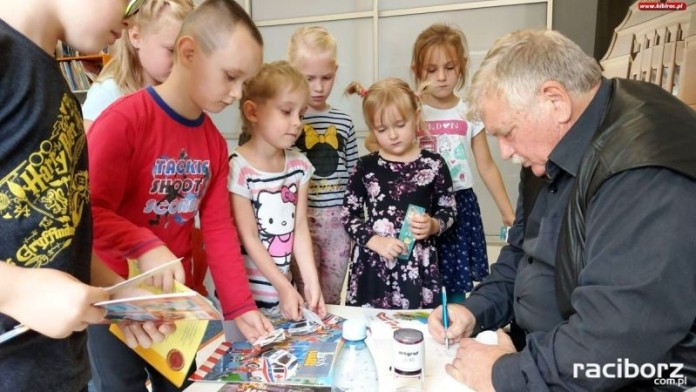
379,192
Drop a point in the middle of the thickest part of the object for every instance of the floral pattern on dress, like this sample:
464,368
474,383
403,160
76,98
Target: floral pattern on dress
377,197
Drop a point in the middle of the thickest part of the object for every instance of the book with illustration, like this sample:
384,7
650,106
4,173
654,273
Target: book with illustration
259,387
136,308
304,358
188,310
383,323
182,305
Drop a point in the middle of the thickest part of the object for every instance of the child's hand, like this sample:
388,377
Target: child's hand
508,220
388,247
51,302
253,324
145,333
158,256
423,226
291,303
315,299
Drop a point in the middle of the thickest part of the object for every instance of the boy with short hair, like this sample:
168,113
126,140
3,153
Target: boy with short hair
157,160
45,253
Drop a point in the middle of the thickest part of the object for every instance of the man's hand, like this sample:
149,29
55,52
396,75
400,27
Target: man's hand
49,301
253,325
156,257
461,323
388,247
473,365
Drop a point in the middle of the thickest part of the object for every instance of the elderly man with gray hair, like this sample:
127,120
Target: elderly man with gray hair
599,268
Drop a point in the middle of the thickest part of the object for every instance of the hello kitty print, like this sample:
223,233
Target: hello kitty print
274,198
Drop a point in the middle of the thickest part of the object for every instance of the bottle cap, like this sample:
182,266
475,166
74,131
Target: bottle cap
354,329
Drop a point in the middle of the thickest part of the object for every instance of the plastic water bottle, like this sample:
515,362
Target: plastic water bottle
355,369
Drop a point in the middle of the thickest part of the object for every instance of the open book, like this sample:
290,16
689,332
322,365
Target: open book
189,310
304,359
119,309
182,305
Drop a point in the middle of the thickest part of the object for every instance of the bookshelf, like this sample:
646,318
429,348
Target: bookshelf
79,70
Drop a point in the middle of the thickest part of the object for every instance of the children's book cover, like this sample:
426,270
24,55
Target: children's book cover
383,323
305,359
173,356
258,387
190,312
182,304
187,305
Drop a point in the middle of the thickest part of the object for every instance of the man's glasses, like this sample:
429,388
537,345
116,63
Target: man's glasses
132,8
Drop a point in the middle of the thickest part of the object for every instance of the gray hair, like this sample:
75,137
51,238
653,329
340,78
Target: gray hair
520,62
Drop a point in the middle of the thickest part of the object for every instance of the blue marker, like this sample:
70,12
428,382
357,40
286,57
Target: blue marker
445,319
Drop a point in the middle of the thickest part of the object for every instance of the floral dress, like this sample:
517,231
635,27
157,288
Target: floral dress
377,197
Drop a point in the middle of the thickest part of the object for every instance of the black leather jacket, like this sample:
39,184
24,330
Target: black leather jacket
644,126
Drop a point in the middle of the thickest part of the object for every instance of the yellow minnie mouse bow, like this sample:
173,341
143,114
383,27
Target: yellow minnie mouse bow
312,137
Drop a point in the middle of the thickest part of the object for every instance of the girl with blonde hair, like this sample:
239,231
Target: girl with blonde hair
329,142
268,185
141,57
394,263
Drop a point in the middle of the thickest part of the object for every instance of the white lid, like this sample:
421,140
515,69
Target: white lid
487,337
354,329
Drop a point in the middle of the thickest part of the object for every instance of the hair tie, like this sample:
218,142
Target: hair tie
418,94
362,92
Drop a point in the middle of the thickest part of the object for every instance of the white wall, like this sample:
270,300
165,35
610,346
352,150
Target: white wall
375,39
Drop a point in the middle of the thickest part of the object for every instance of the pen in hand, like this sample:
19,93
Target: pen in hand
445,319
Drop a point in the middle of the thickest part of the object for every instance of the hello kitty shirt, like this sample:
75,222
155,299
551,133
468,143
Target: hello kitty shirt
452,135
273,197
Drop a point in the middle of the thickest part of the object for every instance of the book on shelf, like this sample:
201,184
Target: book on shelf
63,50
80,70
303,361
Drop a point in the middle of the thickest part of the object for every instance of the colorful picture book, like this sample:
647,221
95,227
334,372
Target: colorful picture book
383,322
187,305
182,304
258,387
305,359
173,356
136,280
